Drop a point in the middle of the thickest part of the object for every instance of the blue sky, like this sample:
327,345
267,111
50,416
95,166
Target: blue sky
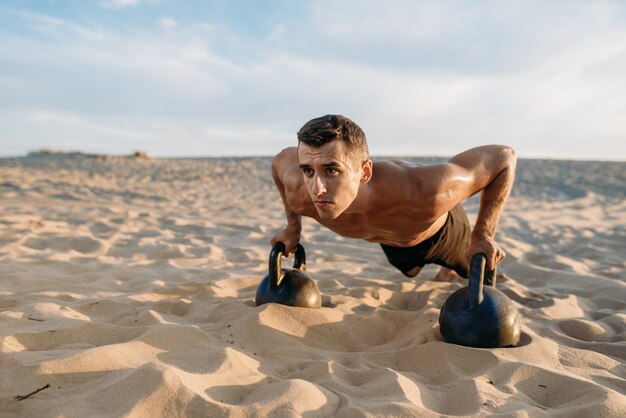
214,78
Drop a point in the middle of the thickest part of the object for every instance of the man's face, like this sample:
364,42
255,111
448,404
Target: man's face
330,177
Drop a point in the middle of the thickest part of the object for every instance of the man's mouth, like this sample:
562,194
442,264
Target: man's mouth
323,203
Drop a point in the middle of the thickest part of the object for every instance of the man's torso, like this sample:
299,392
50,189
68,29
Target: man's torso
398,214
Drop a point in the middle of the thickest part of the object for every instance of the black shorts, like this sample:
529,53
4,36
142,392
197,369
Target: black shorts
446,248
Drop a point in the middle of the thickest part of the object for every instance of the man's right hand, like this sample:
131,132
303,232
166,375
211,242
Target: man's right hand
288,236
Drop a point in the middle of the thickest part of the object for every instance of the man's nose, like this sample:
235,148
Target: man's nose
318,186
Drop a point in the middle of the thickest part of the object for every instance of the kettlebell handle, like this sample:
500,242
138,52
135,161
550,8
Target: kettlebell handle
478,277
275,268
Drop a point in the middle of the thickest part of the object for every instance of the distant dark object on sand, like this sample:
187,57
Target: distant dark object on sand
46,152
140,155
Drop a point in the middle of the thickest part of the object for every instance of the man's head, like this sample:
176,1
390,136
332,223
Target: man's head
322,130
333,157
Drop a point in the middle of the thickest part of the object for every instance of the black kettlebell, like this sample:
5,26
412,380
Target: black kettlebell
477,316
290,287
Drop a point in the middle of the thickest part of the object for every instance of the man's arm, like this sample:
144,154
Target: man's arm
490,169
290,236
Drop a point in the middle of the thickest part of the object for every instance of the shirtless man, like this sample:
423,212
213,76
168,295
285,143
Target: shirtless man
413,212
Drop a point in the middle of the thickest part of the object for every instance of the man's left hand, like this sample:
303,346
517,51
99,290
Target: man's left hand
490,248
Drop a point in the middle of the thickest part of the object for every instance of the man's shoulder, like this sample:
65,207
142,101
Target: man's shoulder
285,159
398,172
405,181
289,151
395,182
396,165
406,172
285,168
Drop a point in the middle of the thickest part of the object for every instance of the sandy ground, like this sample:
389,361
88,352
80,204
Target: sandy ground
127,288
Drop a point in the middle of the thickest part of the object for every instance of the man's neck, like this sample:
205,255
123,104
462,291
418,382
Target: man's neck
362,203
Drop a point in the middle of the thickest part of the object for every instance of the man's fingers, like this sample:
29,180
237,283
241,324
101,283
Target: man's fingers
494,260
492,251
291,251
491,263
491,259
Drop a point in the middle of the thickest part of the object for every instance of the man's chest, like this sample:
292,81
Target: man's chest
397,225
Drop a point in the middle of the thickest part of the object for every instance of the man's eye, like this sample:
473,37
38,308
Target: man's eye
332,171
307,171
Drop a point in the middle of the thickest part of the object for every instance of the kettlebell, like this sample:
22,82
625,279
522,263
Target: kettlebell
480,316
290,287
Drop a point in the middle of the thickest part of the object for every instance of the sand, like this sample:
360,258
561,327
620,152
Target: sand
127,289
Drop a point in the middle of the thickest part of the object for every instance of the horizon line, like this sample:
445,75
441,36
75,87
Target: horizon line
48,153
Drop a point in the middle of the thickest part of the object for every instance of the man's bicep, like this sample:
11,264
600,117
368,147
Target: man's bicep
484,162
481,165
468,173
276,174
448,184
282,162
463,180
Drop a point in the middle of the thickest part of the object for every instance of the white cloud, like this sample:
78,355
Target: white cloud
168,23
277,32
120,4
60,28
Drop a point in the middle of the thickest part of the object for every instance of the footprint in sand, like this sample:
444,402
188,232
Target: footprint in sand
545,388
585,330
84,245
102,229
93,334
238,255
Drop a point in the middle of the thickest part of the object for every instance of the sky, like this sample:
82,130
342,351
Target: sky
237,78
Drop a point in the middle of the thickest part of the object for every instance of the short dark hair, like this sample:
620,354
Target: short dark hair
322,130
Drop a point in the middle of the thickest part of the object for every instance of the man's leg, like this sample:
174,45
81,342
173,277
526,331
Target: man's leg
405,259
450,250
446,275
413,272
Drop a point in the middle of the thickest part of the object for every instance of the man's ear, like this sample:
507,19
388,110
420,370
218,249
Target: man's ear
367,169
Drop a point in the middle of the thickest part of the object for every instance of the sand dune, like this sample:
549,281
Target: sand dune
128,287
